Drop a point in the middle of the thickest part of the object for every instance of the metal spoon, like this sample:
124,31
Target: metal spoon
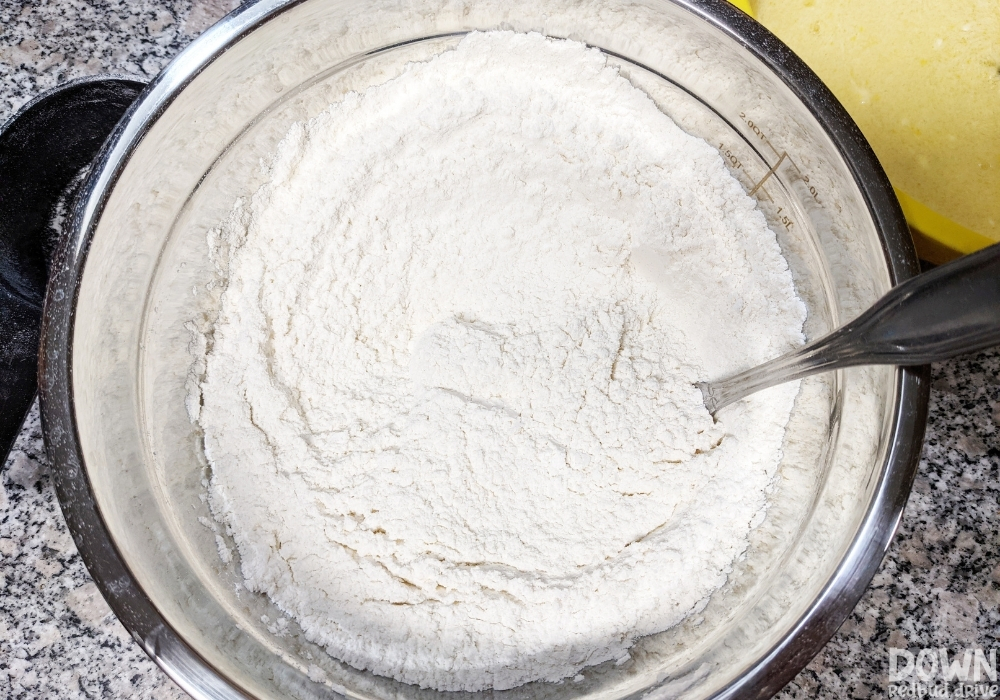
950,310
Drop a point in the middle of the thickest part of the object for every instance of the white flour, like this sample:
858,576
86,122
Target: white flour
449,401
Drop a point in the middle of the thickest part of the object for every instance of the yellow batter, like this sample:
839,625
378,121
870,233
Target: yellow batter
922,80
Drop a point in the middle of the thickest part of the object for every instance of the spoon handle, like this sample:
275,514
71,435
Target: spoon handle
951,310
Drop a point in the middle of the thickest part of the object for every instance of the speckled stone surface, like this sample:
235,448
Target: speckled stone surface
939,585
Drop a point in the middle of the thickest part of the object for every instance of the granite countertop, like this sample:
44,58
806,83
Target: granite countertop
939,586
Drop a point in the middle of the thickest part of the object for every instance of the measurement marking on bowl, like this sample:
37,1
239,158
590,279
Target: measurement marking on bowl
731,157
782,157
756,188
736,164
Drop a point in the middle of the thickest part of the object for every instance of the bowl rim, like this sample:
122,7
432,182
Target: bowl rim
136,611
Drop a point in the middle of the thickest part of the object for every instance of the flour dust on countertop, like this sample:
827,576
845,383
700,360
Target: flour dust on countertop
449,399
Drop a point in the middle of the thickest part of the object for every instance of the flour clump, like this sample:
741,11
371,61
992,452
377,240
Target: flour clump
449,401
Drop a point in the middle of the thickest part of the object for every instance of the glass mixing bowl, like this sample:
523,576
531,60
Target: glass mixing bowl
116,355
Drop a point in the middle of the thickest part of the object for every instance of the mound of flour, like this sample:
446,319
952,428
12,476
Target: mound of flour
449,400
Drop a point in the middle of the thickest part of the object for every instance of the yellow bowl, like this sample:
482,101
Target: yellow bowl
923,83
